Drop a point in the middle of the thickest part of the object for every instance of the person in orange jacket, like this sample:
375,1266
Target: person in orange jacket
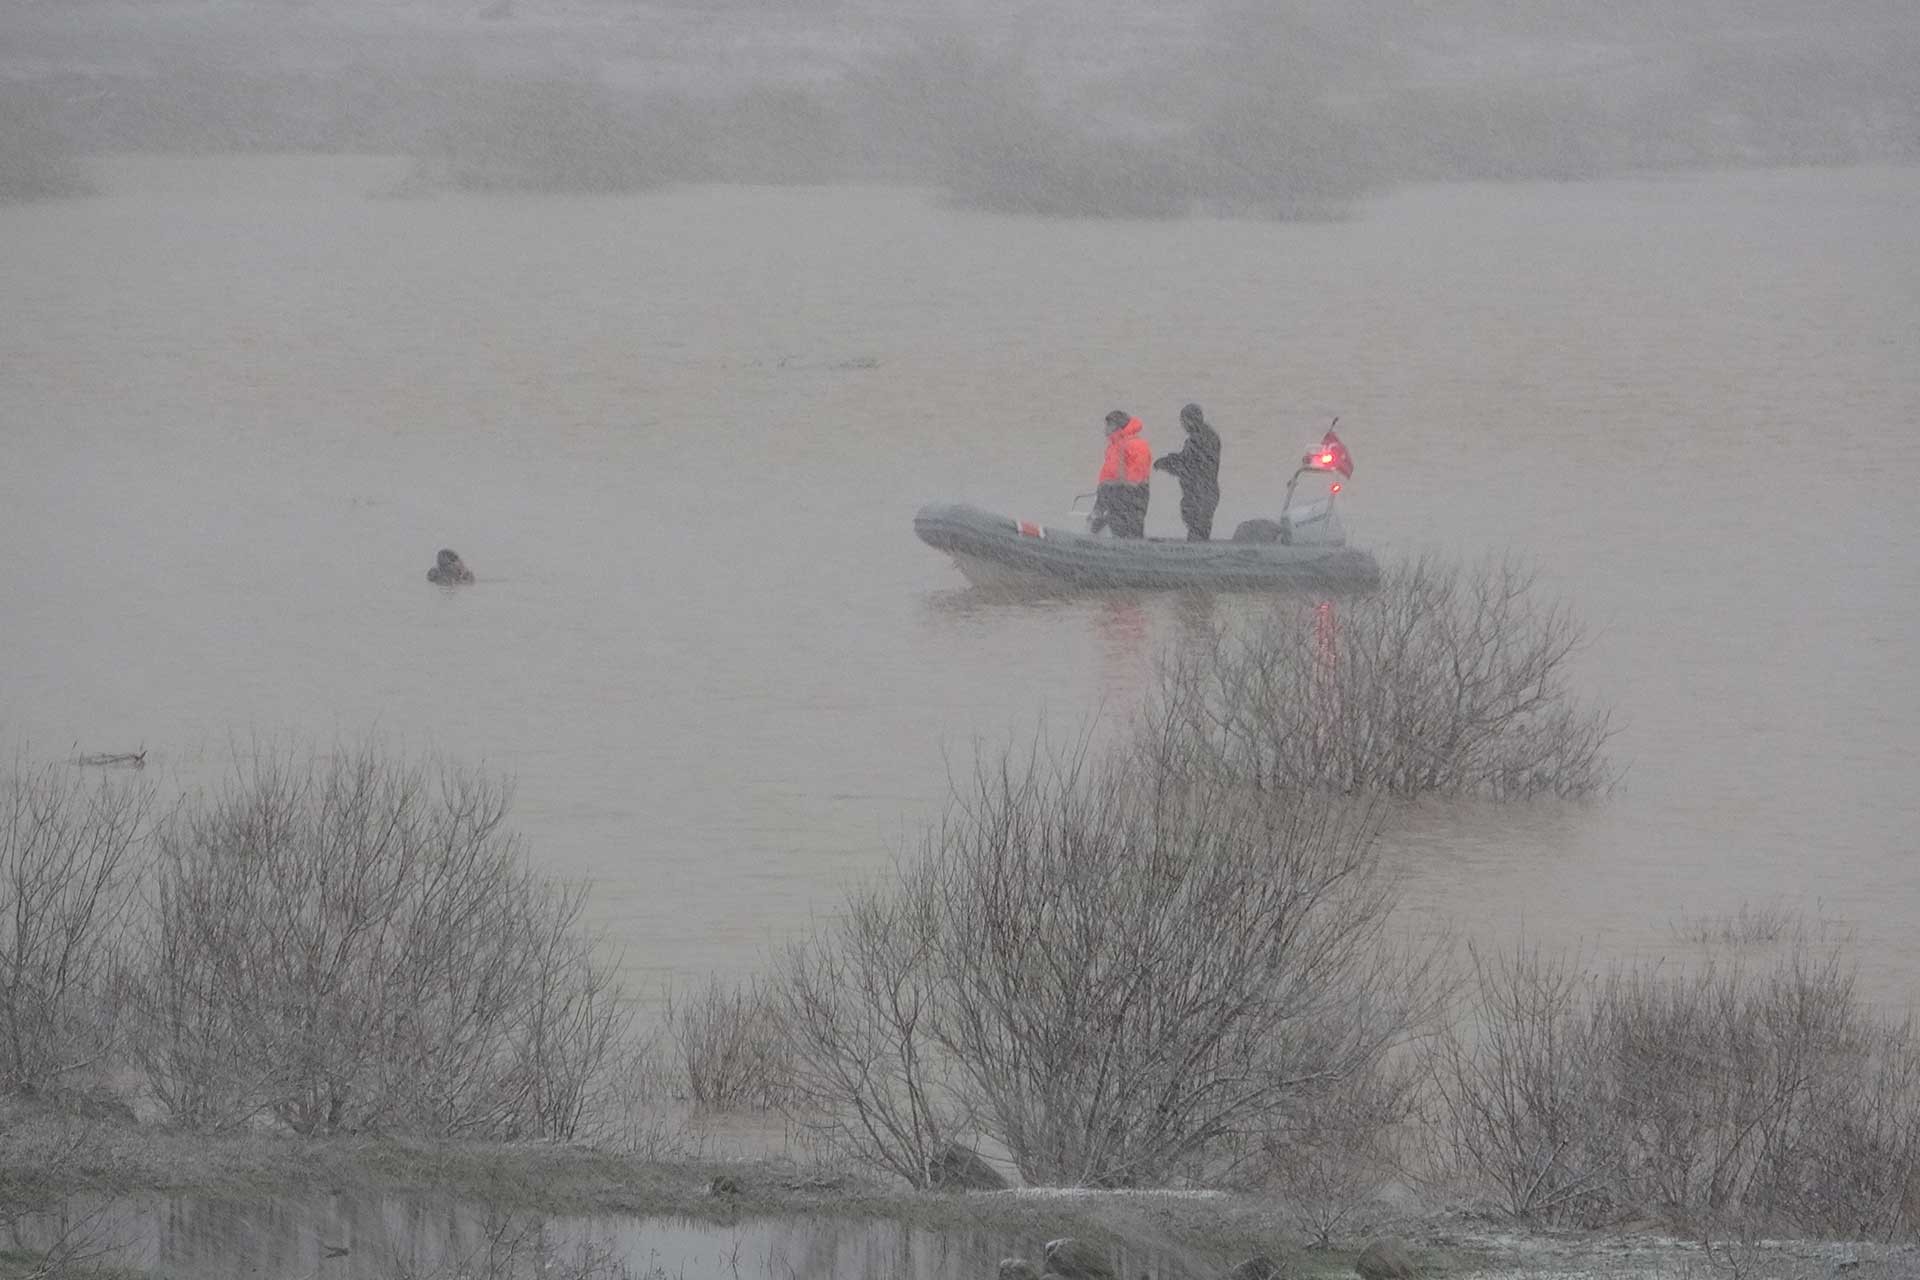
1121,504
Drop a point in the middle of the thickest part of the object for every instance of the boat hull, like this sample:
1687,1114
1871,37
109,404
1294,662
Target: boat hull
997,551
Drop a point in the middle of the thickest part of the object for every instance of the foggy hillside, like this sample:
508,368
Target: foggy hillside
1091,108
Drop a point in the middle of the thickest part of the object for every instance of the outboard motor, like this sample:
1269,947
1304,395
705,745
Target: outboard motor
1314,523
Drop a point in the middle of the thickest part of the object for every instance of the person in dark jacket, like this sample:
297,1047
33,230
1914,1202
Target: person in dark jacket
1197,468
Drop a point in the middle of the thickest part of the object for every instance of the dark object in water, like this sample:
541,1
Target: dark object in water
448,570
107,759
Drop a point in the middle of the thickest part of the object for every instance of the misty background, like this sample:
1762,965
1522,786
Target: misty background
1092,108
247,397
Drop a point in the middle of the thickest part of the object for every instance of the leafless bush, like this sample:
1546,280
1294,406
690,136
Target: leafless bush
1861,1178
1714,1097
730,1046
1519,1091
67,860
1120,973
357,943
637,1110
859,1004
1446,680
1338,1148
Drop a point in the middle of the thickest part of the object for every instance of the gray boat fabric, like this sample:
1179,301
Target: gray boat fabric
998,550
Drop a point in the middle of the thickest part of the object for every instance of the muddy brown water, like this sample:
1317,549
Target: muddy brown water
680,438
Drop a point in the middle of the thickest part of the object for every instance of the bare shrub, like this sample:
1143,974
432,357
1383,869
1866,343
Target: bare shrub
1720,1098
730,1045
638,1107
1860,1178
859,1004
1336,1150
1519,1091
1730,1083
67,862
357,943
1446,680
1120,974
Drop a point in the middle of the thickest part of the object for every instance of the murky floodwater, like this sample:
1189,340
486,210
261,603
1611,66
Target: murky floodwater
681,436
341,1237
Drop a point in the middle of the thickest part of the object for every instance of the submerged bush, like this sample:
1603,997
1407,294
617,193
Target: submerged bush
1446,680
1121,976
357,943
730,1046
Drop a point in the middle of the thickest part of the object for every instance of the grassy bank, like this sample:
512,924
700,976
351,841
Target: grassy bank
49,1154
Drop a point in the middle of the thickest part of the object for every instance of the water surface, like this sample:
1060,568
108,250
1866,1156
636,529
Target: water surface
356,1237
681,436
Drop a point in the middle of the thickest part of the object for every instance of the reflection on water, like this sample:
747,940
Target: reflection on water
342,1237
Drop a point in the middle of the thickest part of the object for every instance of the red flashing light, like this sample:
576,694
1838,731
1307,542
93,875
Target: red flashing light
1336,486
1326,459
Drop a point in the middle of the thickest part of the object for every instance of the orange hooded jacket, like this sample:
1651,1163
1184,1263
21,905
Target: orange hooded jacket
1129,458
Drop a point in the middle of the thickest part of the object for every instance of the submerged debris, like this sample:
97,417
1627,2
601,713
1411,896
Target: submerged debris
112,759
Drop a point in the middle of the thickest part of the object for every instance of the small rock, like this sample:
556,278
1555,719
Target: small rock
1258,1267
958,1168
1018,1269
1073,1259
724,1185
1385,1260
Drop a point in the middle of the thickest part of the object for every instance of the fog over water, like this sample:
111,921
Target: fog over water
668,317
